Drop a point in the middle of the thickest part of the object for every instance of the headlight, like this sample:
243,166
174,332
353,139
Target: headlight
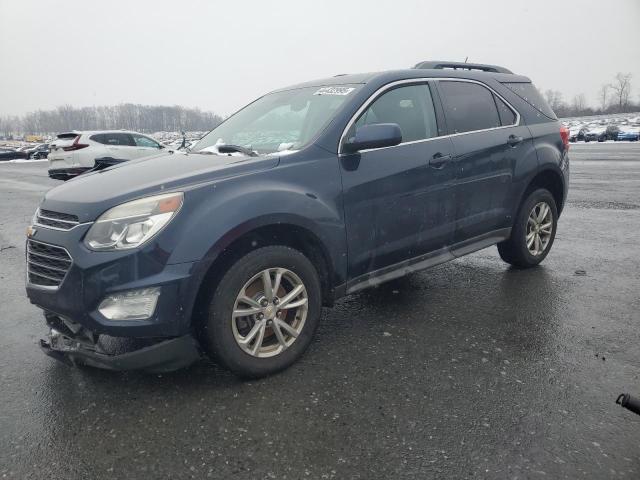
131,224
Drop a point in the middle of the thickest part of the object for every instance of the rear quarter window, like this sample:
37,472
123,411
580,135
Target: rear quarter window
529,93
468,106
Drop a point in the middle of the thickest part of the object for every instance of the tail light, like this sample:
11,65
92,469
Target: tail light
564,134
75,145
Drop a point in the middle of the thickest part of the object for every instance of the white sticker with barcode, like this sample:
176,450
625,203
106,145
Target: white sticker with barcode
334,91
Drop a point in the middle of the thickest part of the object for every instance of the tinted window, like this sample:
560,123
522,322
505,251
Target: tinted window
469,106
118,139
529,93
142,141
507,116
410,107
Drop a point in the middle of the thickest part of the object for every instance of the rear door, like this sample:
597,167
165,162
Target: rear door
120,145
145,146
398,206
487,140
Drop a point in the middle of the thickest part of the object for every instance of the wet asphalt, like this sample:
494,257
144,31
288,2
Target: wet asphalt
468,370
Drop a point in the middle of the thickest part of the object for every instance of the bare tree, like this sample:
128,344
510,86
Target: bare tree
554,99
603,96
622,89
143,118
579,103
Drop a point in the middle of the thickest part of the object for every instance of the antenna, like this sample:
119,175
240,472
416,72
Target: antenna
466,58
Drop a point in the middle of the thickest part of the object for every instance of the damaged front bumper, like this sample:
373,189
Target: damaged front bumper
86,349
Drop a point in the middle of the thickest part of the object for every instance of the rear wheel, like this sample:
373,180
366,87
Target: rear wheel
533,232
264,312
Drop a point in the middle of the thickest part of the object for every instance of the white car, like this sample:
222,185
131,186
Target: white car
74,153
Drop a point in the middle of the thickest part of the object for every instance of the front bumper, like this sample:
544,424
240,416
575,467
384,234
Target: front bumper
94,275
164,356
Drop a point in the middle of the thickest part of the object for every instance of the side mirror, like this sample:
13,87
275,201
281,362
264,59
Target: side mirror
376,135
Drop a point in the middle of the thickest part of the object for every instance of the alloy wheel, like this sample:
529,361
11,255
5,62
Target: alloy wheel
269,312
539,228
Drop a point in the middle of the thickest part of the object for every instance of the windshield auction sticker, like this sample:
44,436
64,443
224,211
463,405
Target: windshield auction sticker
334,91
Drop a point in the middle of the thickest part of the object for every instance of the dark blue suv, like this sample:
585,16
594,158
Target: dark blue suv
307,194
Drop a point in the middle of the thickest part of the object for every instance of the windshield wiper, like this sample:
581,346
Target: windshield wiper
228,148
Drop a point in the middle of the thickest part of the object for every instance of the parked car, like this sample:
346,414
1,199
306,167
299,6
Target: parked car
74,153
573,134
629,135
235,246
10,154
593,134
579,137
38,152
610,133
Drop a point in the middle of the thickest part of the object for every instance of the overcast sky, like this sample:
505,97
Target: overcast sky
218,55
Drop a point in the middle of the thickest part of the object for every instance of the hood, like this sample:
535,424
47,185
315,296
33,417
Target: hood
91,194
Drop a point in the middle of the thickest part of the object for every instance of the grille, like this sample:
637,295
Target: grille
47,264
62,221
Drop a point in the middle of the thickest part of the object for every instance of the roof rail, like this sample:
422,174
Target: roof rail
437,65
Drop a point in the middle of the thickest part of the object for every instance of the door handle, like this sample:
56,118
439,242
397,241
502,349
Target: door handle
514,140
438,160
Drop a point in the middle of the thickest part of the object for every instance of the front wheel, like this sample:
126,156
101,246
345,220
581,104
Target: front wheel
263,312
533,231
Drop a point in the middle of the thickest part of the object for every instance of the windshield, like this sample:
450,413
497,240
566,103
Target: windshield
279,122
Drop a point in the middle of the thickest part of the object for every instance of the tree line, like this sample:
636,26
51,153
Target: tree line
614,97
141,118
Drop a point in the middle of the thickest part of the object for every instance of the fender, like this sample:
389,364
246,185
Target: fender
542,170
218,218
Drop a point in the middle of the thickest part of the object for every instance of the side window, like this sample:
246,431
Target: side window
468,106
125,139
111,139
507,116
411,107
116,139
142,141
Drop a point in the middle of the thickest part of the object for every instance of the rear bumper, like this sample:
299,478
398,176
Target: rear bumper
67,173
164,356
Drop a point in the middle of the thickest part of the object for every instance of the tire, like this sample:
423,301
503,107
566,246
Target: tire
222,333
515,250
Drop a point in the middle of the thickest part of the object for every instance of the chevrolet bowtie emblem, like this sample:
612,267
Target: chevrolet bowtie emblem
31,231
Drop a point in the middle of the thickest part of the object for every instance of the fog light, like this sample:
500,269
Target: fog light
131,305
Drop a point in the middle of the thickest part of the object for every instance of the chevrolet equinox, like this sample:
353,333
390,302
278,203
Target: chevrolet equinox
307,194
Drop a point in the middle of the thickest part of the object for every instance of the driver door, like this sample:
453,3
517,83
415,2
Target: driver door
398,202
